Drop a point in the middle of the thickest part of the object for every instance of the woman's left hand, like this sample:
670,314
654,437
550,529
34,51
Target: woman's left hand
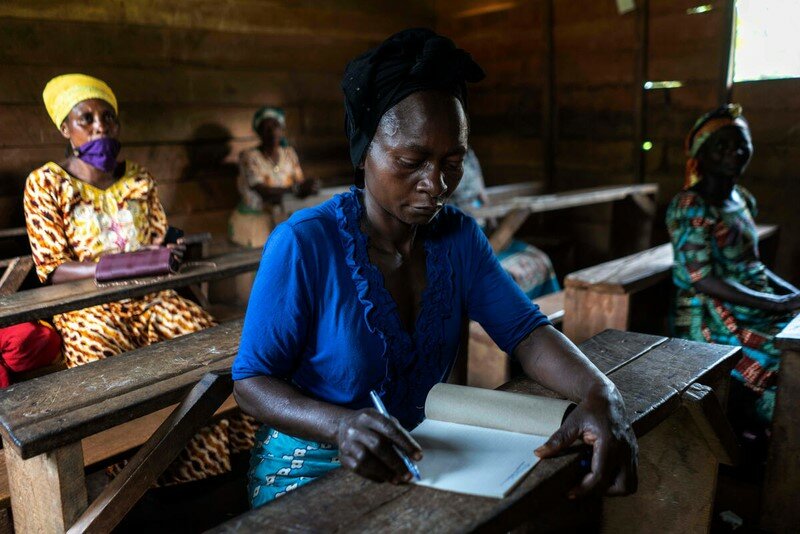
600,421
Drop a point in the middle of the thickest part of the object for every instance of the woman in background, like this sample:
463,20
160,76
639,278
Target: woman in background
724,293
529,266
266,173
90,205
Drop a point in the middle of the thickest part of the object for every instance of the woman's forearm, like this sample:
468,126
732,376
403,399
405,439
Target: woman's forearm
548,357
278,404
73,270
736,293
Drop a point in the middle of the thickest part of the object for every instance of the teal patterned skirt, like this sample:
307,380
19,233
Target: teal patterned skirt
280,463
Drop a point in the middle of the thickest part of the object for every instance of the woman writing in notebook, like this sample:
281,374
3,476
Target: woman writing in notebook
370,291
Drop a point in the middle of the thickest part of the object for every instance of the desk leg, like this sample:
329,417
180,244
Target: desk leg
48,492
677,482
780,510
588,312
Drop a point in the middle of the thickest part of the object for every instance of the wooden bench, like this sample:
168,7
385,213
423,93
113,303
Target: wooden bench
630,293
656,376
780,510
487,365
636,206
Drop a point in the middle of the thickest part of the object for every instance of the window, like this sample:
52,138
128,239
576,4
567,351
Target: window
767,45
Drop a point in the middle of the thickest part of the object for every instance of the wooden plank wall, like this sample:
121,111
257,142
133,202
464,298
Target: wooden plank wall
188,76
595,98
505,38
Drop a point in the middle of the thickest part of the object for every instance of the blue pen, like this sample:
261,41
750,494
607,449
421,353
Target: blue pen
376,400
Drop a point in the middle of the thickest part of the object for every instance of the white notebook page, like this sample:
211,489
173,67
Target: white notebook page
474,460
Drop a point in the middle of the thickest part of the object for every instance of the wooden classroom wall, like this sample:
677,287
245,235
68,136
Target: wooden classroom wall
188,76
594,94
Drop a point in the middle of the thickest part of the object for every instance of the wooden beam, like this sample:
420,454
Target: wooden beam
640,100
726,56
548,96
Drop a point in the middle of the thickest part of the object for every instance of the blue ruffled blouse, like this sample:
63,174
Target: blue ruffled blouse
320,316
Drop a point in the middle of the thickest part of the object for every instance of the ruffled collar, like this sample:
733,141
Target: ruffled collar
413,363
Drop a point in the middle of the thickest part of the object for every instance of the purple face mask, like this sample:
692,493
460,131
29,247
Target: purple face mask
100,153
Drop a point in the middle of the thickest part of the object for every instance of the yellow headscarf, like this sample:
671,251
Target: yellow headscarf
63,92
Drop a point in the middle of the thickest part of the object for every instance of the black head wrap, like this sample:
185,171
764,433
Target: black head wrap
412,60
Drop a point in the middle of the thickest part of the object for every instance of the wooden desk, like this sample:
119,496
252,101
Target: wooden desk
780,505
515,211
653,373
47,301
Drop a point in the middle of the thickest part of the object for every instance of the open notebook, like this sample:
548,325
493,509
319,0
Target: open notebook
481,441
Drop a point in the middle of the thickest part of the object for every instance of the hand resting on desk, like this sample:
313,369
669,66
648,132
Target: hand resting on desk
599,420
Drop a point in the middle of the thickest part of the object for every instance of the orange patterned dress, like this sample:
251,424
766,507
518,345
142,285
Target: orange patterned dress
71,220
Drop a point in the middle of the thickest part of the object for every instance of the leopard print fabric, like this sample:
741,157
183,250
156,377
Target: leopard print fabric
70,220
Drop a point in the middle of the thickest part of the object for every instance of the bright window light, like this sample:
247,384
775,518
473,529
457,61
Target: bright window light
767,45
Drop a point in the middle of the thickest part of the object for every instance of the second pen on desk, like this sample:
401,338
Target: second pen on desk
376,400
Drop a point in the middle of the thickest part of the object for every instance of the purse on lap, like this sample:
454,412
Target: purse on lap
148,262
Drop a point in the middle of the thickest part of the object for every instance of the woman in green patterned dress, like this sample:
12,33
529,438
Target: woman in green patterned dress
724,293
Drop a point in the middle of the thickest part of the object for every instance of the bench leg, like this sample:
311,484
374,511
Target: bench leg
677,482
48,492
780,510
588,312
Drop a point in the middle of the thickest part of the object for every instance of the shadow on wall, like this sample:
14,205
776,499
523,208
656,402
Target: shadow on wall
208,154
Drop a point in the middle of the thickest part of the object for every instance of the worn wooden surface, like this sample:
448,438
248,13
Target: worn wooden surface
780,512
587,312
490,367
560,201
677,483
155,456
15,273
651,372
704,406
54,410
48,491
44,302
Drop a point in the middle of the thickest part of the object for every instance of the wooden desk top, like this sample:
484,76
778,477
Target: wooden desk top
564,200
627,274
43,303
651,372
789,338
49,411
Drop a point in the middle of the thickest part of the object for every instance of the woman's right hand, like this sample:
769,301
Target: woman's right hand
366,440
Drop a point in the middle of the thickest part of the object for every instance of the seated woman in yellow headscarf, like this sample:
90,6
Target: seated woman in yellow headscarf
266,173
90,205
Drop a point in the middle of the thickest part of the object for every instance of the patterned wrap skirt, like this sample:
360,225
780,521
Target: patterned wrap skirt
280,463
